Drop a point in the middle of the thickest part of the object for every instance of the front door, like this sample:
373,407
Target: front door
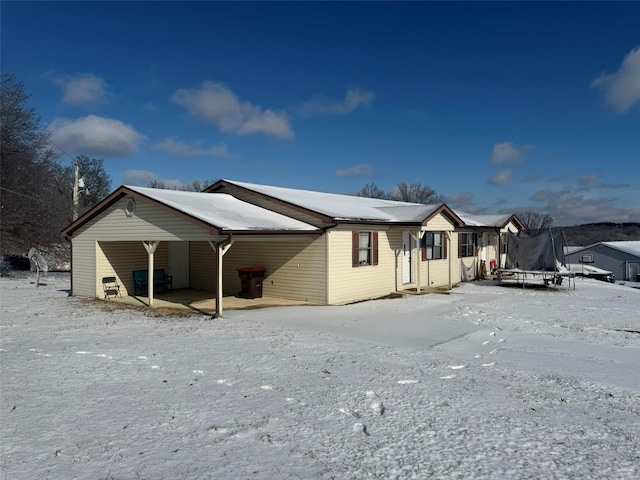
179,264
407,253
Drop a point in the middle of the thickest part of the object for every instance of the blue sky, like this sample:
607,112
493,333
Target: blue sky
496,106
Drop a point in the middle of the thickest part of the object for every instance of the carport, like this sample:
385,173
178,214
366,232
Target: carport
107,240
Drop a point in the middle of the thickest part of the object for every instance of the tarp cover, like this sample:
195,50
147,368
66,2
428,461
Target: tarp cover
544,252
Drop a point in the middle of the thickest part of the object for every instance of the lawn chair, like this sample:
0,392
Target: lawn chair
111,287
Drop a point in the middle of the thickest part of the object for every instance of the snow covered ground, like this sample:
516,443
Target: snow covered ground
488,382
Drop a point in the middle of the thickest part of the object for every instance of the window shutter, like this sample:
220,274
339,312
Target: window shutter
355,249
374,252
460,245
444,244
475,245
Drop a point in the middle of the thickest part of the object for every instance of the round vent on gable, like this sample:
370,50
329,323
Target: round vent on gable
130,209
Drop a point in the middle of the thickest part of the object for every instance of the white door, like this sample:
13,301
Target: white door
407,252
179,264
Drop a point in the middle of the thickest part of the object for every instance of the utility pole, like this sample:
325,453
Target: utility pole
76,193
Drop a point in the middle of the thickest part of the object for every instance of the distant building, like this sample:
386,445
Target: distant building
620,258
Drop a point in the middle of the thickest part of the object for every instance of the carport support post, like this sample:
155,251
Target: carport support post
150,247
220,248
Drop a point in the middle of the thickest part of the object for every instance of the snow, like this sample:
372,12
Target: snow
223,211
487,382
484,220
345,207
629,246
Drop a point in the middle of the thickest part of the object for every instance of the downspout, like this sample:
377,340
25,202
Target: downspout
220,248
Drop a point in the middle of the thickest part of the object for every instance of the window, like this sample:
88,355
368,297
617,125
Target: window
467,245
365,248
504,238
434,245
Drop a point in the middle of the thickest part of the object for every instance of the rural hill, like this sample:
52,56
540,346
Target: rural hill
590,233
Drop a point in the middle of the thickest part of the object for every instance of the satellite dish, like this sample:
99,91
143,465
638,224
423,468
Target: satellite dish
38,264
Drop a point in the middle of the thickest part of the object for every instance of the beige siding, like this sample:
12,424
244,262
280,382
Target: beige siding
439,223
149,222
349,284
202,266
83,261
120,259
435,273
274,206
295,268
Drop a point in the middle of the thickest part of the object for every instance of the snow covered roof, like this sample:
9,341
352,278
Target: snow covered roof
473,220
631,247
223,211
347,207
218,210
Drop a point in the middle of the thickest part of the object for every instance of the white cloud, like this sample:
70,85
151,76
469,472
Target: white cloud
144,177
593,181
507,153
360,170
622,89
503,177
354,99
176,147
216,104
93,135
82,89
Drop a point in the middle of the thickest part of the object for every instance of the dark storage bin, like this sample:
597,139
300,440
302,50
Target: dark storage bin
637,277
251,281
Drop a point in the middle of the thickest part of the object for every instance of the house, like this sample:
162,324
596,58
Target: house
482,242
315,247
620,258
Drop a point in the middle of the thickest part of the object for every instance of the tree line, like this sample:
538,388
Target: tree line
36,181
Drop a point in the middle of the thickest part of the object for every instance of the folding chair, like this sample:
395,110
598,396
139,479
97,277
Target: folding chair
111,287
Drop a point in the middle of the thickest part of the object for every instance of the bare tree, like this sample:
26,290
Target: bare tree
534,222
371,190
34,195
195,186
415,193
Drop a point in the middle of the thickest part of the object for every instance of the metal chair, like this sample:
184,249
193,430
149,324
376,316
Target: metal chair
111,287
